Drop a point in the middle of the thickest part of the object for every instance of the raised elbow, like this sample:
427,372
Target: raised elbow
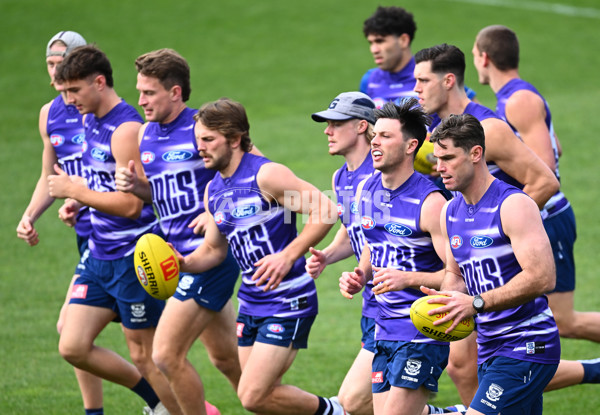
554,186
133,210
547,282
550,284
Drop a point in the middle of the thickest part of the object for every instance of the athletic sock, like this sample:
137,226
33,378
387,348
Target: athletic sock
324,406
145,391
448,410
95,411
435,410
591,371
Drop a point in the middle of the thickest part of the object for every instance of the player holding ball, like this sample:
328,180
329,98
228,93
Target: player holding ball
499,264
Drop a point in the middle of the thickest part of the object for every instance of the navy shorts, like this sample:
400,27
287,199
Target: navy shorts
84,251
511,386
367,326
561,230
211,289
408,365
274,330
113,284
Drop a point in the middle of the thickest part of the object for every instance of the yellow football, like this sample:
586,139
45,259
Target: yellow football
156,266
424,322
425,160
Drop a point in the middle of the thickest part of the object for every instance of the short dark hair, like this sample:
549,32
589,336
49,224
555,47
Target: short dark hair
83,62
464,130
412,117
501,45
229,118
390,21
444,59
169,67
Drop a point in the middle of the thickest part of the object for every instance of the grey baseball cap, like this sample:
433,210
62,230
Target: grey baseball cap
71,39
346,106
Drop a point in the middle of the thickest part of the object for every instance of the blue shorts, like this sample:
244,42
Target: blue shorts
562,232
113,284
274,330
84,251
408,365
511,386
211,289
367,325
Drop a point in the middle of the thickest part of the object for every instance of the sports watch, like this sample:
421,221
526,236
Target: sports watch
478,303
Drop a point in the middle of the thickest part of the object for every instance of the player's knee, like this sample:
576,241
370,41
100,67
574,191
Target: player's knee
355,403
226,364
565,322
462,369
161,360
567,326
142,360
73,352
252,400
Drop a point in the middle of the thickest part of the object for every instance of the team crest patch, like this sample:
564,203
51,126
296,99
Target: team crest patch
481,241
413,367
185,283
456,242
138,310
377,377
79,291
494,392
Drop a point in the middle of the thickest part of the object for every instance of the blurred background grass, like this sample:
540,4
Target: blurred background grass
283,61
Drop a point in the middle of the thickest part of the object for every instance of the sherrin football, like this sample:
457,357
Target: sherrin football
424,159
156,266
424,322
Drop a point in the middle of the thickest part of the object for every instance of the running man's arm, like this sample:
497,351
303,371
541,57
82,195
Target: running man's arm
127,179
390,279
526,112
279,182
124,148
40,198
339,248
351,283
516,159
522,224
211,252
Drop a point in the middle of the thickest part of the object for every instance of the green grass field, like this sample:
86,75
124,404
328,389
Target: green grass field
283,60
